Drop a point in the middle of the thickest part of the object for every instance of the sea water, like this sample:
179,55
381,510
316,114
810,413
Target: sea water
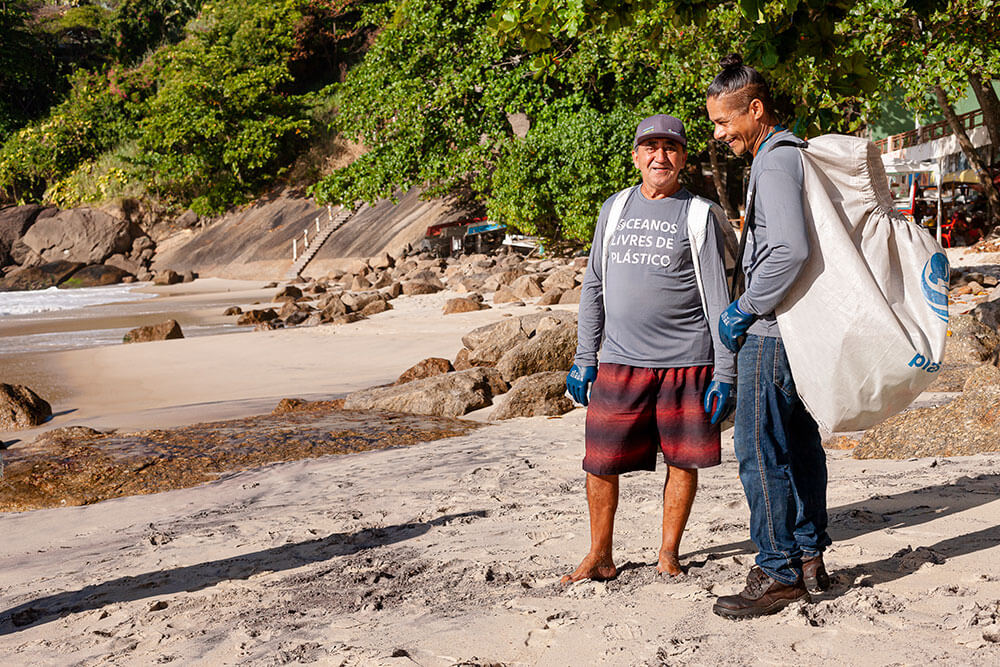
22,305
53,299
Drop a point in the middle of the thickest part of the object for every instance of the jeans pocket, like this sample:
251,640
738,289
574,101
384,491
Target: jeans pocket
782,371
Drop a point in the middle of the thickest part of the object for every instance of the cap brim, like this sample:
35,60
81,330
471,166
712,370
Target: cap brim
660,135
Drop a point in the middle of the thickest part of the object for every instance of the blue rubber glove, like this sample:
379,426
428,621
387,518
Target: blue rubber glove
719,393
733,325
578,382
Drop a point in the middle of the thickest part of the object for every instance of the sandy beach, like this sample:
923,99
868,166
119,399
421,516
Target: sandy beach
334,561
448,552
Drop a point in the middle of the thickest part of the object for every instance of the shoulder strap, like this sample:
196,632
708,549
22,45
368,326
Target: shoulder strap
738,276
610,227
699,211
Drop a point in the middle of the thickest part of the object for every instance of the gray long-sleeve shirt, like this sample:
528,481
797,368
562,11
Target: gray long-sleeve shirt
654,315
778,243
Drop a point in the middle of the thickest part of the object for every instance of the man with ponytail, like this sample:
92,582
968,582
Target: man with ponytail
777,442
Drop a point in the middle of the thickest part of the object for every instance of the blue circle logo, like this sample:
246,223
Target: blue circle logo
936,276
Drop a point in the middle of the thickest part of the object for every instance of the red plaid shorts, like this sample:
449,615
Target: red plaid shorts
634,412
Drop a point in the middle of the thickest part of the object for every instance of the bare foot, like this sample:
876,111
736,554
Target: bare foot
669,563
594,567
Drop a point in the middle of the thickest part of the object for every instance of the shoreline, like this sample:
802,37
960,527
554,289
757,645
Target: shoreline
240,374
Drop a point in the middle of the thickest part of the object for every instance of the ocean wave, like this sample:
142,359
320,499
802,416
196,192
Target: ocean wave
55,299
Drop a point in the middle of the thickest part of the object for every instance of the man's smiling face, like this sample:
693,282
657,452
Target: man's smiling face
738,126
660,162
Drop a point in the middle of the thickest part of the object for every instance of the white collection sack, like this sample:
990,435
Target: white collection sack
865,325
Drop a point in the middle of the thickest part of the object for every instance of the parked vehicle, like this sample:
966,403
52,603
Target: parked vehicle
468,235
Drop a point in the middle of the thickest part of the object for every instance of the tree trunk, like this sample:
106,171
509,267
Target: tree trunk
720,185
990,105
992,196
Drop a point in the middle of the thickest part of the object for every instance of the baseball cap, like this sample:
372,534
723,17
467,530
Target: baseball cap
660,125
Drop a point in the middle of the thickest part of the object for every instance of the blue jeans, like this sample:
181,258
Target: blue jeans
782,463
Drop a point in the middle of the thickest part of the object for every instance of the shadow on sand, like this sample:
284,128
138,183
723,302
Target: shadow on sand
902,510
203,575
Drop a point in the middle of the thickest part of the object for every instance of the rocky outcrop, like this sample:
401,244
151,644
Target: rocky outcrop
537,394
39,277
21,408
549,350
425,369
448,395
168,330
488,343
81,235
988,312
167,277
14,222
970,424
260,316
463,305
95,275
970,344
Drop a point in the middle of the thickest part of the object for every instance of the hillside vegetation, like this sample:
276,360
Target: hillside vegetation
523,109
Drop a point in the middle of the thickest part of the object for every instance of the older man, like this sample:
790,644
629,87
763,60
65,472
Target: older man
651,299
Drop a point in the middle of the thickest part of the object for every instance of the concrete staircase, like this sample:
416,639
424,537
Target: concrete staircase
316,242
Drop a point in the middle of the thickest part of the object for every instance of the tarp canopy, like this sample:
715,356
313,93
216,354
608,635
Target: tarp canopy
895,166
964,176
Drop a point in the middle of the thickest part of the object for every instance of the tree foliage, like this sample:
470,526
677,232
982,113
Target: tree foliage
23,59
205,104
206,122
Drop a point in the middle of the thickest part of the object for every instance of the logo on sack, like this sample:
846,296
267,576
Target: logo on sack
920,361
934,285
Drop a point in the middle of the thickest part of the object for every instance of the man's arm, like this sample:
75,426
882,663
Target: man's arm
713,278
590,321
779,198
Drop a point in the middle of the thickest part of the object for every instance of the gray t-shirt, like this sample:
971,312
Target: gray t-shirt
654,315
778,243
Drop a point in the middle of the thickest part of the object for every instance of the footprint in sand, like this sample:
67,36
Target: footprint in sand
623,631
542,637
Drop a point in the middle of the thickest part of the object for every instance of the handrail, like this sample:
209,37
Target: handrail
930,132
305,234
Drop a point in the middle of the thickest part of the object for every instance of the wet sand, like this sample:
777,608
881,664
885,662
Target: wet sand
80,466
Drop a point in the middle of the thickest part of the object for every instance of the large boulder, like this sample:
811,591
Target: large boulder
14,222
168,330
81,235
988,312
969,344
167,277
448,395
287,290
415,287
970,424
425,369
20,407
488,343
375,307
356,301
563,279
122,262
463,305
527,287
549,350
254,317
40,277
571,296
537,394
95,275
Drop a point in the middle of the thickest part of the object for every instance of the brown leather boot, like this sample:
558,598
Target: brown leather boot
814,574
762,595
